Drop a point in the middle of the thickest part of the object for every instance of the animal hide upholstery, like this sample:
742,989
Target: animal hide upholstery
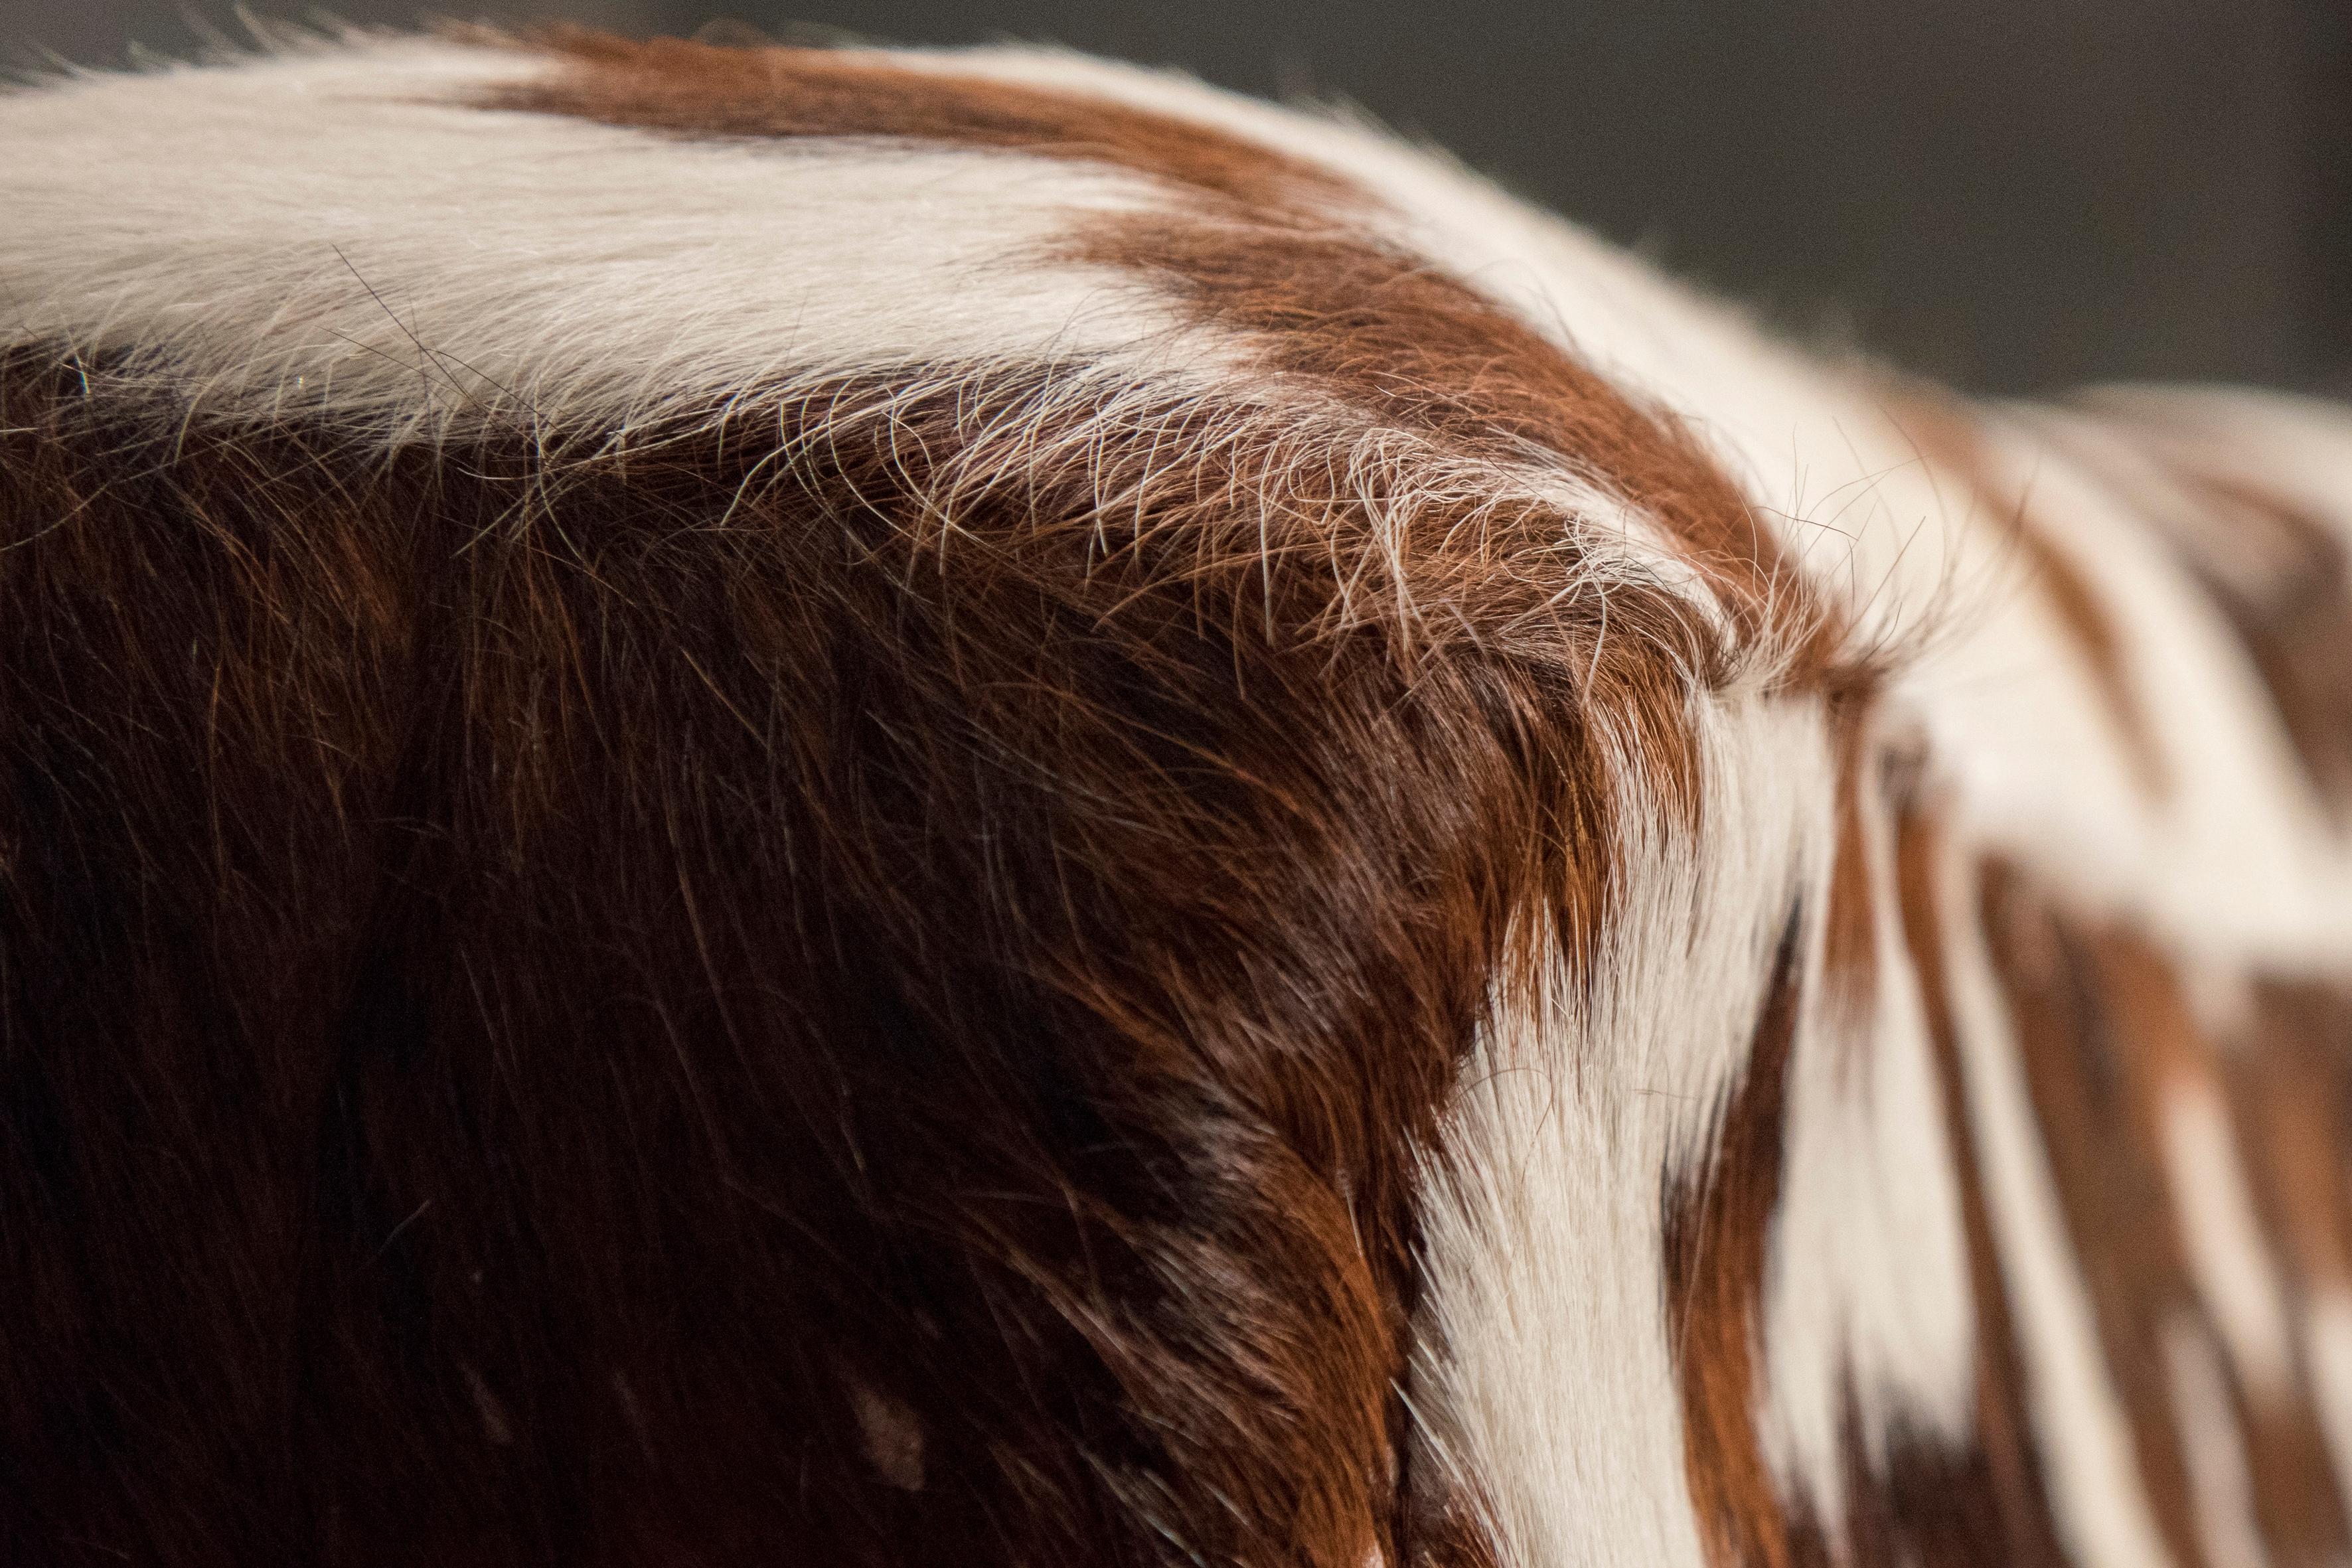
828,806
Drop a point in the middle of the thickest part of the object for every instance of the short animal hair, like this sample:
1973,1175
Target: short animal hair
846,806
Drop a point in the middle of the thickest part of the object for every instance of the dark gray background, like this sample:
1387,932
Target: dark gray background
2011,193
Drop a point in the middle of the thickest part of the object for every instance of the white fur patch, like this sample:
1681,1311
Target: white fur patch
1546,1374
334,232
1870,1271
2220,1479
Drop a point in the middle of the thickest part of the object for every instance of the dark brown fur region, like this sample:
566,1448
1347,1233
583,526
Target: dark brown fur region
616,1009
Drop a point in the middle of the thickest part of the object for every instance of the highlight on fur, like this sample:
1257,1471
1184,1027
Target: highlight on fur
883,807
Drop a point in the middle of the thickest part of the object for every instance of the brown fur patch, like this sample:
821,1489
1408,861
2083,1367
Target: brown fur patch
2107,1037
1279,250
2290,1089
665,939
1718,1221
710,90
1850,955
2292,1077
2090,1006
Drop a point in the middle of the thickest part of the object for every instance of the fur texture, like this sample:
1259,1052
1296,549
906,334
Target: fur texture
890,807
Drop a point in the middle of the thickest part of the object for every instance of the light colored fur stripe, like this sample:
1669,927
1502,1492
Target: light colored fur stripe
1544,1315
1869,1290
340,232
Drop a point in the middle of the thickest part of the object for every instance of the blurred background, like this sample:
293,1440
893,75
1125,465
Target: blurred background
2011,193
